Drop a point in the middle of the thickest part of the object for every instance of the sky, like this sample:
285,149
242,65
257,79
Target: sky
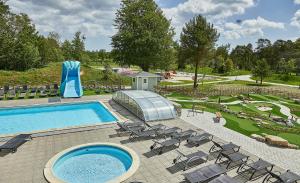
239,22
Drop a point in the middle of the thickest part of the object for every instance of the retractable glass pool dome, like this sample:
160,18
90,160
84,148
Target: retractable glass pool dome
147,105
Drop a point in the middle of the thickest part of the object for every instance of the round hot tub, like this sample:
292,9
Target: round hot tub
92,163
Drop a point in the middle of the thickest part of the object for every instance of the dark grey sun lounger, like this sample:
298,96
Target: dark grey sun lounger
168,131
22,95
223,179
205,174
2,94
187,159
164,144
183,135
126,125
259,167
218,146
156,127
286,177
15,142
235,159
197,139
141,134
11,94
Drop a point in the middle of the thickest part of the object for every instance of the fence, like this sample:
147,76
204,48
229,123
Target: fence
227,90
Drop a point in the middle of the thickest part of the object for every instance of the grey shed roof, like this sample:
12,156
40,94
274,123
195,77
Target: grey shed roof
145,74
151,105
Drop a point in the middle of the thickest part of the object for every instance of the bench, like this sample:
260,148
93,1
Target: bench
218,116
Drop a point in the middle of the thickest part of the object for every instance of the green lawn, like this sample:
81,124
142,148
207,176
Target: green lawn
247,126
283,79
209,71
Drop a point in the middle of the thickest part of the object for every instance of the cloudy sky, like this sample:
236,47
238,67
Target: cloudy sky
238,21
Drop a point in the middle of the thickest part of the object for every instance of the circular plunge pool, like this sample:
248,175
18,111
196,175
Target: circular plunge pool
92,163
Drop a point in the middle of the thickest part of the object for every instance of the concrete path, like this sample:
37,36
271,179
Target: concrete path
284,158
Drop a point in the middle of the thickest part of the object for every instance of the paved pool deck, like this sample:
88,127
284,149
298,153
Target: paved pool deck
26,165
283,157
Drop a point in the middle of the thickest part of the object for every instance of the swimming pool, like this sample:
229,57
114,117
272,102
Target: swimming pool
92,163
45,117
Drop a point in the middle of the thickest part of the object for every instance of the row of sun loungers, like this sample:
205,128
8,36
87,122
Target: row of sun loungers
228,154
24,91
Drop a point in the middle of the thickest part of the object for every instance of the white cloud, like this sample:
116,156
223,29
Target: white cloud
214,10
250,27
295,21
93,18
297,1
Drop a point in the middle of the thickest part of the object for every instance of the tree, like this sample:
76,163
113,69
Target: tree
49,49
144,36
228,65
67,50
78,46
261,70
243,57
197,39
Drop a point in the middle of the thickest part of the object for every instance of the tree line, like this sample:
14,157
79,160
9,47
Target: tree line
145,38
22,47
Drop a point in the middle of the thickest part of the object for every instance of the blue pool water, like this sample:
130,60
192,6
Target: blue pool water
36,118
92,164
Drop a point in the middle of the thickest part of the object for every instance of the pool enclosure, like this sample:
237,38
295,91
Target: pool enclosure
147,105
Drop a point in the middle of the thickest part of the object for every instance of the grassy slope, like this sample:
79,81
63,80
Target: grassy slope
48,74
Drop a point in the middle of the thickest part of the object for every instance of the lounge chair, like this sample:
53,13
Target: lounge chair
230,158
286,177
21,95
2,94
183,135
190,158
32,93
197,139
259,167
53,93
168,131
6,89
11,94
55,86
156,127
165,143
13,144
219,146
125,126
47,88
223,179
43,92
205,174
24,89
141,134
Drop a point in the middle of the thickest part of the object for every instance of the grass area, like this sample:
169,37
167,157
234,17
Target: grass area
52,74
283,79
167,83
179,96
208,70
295,108
223,99
248,126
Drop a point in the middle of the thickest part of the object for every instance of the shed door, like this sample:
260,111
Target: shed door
145,83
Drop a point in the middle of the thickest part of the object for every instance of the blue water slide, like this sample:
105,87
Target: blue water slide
70,86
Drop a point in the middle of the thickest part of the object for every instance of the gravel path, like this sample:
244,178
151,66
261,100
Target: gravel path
284,158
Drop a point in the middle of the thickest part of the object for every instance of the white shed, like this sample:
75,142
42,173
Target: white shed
145,81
